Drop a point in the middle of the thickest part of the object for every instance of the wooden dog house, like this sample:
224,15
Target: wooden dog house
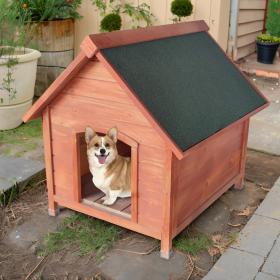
182,109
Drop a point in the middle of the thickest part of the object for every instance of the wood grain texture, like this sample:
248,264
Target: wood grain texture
127,37
48,158
97,89
76,168
96,70
88,47
244,150
134,185
166,240
150,221
109,217
63,180
52,92
99,108
205,205
65,193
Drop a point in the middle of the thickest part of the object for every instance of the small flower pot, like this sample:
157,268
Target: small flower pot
266,52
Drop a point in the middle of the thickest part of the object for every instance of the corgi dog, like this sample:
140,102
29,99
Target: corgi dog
111,172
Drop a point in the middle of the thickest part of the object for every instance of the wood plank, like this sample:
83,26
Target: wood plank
249,27
53,206
252,4
134,185
167,209
150,173
94,195
247,39
76,168
59,59
142,134
88,47
109,217
119,205
189,172
205,149
150,208
95,70
63,165
150,222
62,149
246,50
127,37
97,89
99,108
151,191
250,15
63,180
65,193
205,205
197,194
61,133
146,113
87,188
174,189
151,155
52,92
86,178
127,210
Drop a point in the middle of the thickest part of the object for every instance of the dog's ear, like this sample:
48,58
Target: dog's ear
89,134
113,134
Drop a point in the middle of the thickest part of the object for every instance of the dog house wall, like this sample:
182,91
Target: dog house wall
94,98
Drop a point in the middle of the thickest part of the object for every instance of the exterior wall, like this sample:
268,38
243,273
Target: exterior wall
93,97
214,12
205,171
250,21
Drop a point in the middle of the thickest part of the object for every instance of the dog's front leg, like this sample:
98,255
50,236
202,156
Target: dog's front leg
112,197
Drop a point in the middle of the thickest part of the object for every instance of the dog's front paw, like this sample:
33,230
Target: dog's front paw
108,202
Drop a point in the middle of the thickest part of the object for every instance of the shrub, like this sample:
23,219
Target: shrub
181,8
273,18
268,39
111,22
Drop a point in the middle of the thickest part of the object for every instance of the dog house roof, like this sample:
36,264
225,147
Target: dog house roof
177,75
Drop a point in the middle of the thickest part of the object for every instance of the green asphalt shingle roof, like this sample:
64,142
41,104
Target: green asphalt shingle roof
188,84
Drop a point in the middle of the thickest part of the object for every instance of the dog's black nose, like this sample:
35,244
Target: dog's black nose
102,151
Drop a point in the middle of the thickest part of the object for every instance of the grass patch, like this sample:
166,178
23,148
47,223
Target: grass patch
31,129
193,245
89,233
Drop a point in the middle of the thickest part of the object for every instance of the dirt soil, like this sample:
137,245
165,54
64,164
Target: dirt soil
262,170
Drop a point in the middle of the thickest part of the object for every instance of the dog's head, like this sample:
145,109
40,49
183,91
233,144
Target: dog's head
101,150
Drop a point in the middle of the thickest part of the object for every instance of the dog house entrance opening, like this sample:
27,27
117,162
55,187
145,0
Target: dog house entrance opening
91,195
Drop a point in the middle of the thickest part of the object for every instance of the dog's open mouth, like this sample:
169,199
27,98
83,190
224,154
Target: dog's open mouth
101,158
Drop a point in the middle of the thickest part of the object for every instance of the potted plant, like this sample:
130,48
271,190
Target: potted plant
113,21
267,47
181,8
17,65
55,29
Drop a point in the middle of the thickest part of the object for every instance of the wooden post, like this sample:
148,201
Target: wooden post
134,185
240,183
76,167
53,206
265,17
166,235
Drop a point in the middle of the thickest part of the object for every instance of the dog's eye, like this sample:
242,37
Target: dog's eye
96,145
107,145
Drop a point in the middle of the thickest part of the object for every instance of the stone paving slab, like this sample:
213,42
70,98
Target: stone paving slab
263,276
235,265
270,207
272,264
19,168
258,235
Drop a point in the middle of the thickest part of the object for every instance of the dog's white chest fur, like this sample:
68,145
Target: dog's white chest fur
99,179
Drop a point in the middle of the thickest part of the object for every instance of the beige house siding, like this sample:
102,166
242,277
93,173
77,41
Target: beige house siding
214,12
250,25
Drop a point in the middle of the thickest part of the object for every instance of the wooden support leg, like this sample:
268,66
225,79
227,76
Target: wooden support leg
53,208
166,251
239,185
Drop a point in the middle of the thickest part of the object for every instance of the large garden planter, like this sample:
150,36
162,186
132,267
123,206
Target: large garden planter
266,52
24,75
56,43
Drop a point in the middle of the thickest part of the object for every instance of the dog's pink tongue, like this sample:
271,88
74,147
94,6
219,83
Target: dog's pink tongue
101,159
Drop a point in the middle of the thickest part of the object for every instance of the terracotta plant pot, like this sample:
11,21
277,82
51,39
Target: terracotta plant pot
24,74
